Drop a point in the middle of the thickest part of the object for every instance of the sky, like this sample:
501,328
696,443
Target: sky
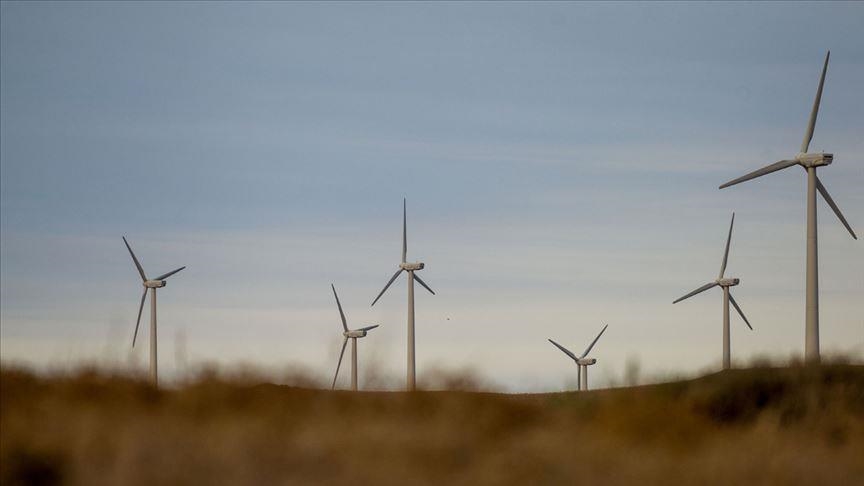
561,164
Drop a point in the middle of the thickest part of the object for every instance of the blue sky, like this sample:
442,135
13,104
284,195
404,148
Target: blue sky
561,164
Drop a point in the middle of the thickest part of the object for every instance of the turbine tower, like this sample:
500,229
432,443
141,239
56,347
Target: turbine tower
152,285
352,334
582,362
809,161
724,283
410,268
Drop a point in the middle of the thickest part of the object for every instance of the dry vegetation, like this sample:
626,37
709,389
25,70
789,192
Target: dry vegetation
794,425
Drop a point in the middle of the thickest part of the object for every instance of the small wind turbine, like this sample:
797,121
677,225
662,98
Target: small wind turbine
352,334
410,268
725,283
582,362
152,285
809,161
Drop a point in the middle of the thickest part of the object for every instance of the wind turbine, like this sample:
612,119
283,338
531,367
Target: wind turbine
582,362
152,285
352,334
809,161
410,268
724,283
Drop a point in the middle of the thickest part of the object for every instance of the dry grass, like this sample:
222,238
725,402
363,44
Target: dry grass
795,425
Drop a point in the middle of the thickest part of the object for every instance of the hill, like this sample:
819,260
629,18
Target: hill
796,425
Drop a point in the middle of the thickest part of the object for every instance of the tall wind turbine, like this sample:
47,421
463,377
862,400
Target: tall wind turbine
410,268
352,334
152,285
809,161
724,283
582,362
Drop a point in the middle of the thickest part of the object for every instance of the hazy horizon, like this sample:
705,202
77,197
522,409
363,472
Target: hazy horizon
560,164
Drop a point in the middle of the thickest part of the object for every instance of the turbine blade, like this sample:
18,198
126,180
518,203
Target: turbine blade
339,364
341,314
368,328
417,278
594,342
388,285
735,304
565,350
805,144
833,205
135,259
700,289
726,253
404,230
166,275
137,322
760,172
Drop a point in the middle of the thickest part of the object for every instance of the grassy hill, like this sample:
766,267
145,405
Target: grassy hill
797,425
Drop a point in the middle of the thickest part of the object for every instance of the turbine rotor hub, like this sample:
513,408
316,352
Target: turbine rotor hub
728,282
586,361
154,284
354,334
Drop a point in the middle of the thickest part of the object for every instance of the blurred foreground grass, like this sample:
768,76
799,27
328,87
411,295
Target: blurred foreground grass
793,425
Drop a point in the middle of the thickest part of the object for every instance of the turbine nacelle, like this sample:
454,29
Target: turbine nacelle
410,267
728,282
586,361
814,159
155,284
355,333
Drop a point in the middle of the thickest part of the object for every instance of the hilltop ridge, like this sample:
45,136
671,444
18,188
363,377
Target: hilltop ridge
791,425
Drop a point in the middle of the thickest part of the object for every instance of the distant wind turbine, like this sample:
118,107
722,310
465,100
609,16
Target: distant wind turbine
352,334
809,161
725,283
152,285
410,268
582,362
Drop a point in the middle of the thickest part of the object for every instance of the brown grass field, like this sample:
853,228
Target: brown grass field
792,425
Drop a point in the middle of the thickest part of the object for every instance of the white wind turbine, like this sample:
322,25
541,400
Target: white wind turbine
809,161
152,285
724,283
352,334
410,268
582,362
